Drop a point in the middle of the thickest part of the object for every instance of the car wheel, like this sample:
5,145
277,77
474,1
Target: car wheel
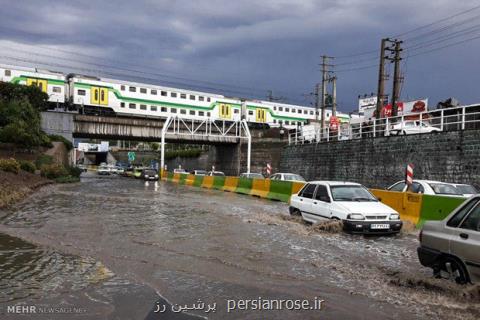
454,270
295,212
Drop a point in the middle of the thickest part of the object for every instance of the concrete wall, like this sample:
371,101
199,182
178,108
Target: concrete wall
60,123
379,162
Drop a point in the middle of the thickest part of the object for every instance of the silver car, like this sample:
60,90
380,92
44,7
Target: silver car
451,247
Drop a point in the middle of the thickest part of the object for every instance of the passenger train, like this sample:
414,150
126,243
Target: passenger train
124,98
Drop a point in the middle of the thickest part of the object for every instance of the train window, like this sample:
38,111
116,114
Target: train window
183,111
173,94
192,97
143,90
208,114
280,122
280,108
208,99
305,111
274,121
81,92
311,113
250,112
183,96
287,122
132,89
274,108
201,113
8,73
132,106
164,93
163,109
200,98
287,109
57,89
153,108
122,88
236,110
154,92
173,110
143,107
122,104
192,112
294,110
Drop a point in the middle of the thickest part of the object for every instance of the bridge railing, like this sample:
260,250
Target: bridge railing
450,119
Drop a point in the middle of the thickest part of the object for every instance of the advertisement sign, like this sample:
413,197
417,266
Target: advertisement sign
334,123
366,103
406,108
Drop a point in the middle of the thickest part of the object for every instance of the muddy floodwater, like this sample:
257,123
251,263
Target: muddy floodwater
118,248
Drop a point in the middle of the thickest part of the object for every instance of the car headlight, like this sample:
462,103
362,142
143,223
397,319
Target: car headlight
394,216
146,176
355,216
156,176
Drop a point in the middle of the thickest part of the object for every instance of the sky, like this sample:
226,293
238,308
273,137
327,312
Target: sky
245,48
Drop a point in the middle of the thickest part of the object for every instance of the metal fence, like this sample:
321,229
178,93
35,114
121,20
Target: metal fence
449,119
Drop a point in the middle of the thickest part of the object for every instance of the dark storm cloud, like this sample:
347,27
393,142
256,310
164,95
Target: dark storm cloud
257,45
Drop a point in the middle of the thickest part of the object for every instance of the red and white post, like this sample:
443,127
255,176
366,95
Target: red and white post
269,169
409,174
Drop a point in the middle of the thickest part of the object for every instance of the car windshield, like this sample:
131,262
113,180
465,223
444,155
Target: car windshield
293,177
443,188
218,173
253,175
201,172
351,193
150,172
466,189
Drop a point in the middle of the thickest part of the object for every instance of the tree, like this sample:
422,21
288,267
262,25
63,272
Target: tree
16,92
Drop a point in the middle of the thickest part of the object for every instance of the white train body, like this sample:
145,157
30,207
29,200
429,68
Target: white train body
126,98
52,83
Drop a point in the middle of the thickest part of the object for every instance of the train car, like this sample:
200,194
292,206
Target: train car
51,82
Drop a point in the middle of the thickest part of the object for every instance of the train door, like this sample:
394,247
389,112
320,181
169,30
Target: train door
94,95
225,111
261,115
104,96
41,84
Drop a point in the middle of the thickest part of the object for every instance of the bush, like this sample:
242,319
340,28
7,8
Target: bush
10,165
27,166
74,171
67,179
43,160
66,142
53,171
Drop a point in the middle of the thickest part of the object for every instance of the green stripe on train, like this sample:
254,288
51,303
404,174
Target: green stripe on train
437,207
280,190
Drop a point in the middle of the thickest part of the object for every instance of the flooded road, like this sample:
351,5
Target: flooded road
117,248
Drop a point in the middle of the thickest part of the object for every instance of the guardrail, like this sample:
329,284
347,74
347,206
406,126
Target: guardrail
449,119
413,207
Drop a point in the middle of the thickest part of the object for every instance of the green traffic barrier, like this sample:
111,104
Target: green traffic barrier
218,182
183,177
170,176
198,181
244,185
437,207
280,190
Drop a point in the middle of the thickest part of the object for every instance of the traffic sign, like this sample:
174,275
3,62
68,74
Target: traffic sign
131,156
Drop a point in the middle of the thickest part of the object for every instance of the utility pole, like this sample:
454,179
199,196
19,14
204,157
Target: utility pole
325,79
396,77
317,99
381,80
334,96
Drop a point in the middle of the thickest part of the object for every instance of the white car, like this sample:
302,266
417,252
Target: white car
427,187
287,177
216,173
465,189
199,172
103,170
179,171
412,127
350,202
252,175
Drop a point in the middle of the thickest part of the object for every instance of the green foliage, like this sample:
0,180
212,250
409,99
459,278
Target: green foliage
74,171
20,124
53,171
31,94
66,142
188,153
42,160
27,166
10,165
154,145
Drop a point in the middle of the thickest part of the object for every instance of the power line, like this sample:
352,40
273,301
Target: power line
445,46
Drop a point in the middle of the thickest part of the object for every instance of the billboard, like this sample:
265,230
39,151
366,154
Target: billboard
406,108
366,103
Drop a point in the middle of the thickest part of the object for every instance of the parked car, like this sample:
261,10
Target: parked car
199,172
82,167
216,173
137,172
252,175
427,187
287,177
466,189
103,170
412,127
119,169
451,247
179,171
149,174
350,202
